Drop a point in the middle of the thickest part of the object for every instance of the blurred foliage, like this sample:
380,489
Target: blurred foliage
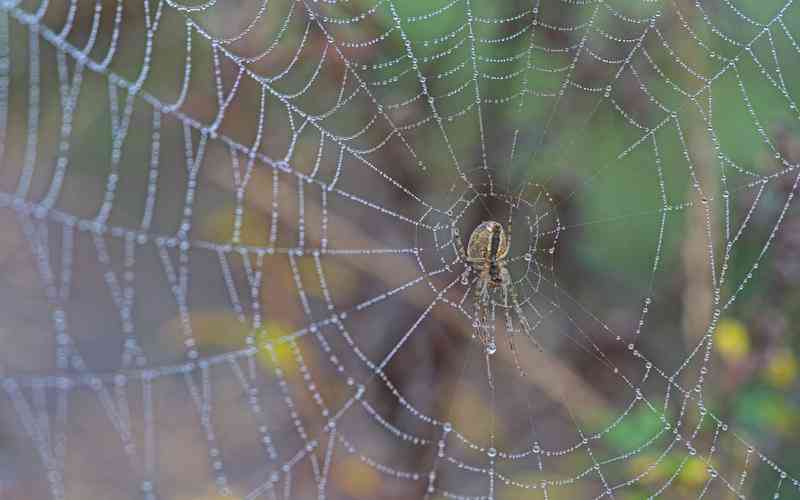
781,369
757,372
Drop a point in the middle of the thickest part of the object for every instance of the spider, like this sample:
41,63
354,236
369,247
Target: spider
487,256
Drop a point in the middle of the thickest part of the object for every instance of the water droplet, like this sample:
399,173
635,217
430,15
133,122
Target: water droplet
528,257
491,452
491,348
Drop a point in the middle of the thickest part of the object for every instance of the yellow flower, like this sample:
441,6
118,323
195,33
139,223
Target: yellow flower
781,370
732,341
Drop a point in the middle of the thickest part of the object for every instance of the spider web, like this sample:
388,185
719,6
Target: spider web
228,258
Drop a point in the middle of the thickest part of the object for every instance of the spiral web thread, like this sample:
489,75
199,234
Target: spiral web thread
282,56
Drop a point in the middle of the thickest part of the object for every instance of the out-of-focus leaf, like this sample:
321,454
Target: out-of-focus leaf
781,369
641,425
645,463
694,473
732,341
761,408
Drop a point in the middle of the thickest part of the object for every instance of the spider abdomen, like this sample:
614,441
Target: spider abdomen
488,241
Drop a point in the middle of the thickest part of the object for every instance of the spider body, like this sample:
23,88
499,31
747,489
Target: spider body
487,257
487,251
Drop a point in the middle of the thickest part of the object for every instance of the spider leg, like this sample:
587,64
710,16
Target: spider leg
506,284
526,327
477,295
508,232
481,307
459,245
